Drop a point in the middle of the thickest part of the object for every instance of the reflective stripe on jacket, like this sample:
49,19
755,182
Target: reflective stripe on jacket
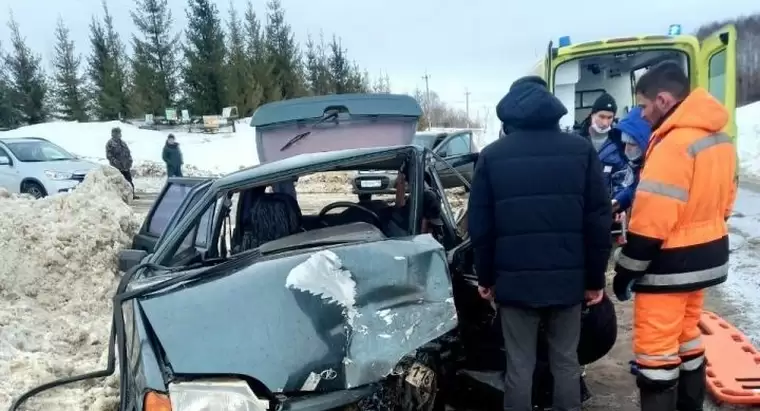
678,236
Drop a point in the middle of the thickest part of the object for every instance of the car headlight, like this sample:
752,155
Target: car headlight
58,175
221,395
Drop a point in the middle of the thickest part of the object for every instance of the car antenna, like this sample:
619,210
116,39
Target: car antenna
328,115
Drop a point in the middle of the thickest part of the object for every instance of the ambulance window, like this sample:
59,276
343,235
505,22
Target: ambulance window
717,75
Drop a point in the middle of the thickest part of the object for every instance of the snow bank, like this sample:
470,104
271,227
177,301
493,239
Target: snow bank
57,277
218,153
748,123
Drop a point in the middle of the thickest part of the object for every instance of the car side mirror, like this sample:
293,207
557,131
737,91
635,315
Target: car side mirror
5,161
130,257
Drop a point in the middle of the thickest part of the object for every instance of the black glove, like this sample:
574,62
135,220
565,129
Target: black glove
621,285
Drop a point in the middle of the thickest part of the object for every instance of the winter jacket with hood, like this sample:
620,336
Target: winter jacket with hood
172,156
618,174
539,214
639,129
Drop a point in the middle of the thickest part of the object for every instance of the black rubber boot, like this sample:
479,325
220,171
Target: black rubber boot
691,390
658,399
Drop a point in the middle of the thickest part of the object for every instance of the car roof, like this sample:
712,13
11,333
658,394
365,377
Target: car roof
308,161
20,139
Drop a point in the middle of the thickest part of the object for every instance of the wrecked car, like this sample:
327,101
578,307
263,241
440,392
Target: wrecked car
315,301
246,293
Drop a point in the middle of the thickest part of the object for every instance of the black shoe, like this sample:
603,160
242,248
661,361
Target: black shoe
658,399
691,389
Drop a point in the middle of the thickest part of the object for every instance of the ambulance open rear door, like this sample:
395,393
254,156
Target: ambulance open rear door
717,71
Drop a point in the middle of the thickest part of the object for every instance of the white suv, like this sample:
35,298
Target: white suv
38,167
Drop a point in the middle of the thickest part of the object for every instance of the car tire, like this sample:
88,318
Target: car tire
33,189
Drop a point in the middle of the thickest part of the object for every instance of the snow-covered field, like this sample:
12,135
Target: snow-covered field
57,265
748,123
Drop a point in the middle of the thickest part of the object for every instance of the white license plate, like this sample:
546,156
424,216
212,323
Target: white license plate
419,375
370,183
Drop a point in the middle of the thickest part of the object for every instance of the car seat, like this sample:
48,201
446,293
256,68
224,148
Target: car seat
265,217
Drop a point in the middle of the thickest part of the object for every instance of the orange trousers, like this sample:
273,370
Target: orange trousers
666,334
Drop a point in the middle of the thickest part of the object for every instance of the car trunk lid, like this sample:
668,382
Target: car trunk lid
357,121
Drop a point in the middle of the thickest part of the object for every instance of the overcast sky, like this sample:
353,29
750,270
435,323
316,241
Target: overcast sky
480,45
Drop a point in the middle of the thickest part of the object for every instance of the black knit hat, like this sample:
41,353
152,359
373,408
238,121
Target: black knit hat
605,102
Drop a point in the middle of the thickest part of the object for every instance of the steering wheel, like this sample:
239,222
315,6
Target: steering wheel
348,204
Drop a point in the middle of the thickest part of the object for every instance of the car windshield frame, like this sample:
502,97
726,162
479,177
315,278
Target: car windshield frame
170,242
21,150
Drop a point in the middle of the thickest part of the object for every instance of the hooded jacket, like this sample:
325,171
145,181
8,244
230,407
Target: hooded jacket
539,214
639,129
172,156
678,236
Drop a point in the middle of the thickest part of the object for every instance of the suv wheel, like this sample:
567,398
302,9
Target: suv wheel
33,189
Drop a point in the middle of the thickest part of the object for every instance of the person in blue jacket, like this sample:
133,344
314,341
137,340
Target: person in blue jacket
634,134
619,171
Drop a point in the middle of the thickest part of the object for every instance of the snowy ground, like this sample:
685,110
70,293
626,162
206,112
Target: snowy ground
57,266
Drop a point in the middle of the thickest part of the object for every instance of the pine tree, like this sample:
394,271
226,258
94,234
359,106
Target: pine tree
243,89
358,80
106,70
28,86
68,85
382,83
317,68
155,65
255,46
205,75
283,54
8,117
340,70
120,60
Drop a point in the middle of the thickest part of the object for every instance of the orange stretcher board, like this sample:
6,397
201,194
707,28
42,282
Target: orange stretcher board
733,363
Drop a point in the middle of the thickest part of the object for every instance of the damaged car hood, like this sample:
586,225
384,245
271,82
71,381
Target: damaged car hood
314,321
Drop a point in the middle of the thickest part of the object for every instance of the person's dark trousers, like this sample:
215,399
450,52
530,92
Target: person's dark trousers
173,171
128,175
520,328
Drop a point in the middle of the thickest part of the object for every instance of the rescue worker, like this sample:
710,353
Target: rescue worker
607,140
598,124
678,238
119,156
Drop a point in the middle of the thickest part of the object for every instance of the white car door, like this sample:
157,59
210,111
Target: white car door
10,177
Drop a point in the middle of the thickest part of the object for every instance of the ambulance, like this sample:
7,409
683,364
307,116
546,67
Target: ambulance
579,73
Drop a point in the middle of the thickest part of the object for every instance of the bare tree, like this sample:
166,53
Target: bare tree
444,115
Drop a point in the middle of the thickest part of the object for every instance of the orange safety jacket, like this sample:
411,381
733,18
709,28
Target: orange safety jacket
678,235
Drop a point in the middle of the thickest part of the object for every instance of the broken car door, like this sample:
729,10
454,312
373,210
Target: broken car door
453,148
161,214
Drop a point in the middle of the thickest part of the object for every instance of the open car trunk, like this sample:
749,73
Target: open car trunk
336,122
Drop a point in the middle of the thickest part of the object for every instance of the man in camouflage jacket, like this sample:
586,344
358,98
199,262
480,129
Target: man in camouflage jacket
118,154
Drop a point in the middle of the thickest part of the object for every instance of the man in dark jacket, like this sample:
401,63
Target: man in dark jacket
172,156
119,156
539,219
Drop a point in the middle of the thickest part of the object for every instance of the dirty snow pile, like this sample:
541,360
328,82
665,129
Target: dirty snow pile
57,277
748,123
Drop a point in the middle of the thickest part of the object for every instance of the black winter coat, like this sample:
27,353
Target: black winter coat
539,212
172,156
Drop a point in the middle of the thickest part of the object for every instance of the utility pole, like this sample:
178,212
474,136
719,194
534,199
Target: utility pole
467,105
426,77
